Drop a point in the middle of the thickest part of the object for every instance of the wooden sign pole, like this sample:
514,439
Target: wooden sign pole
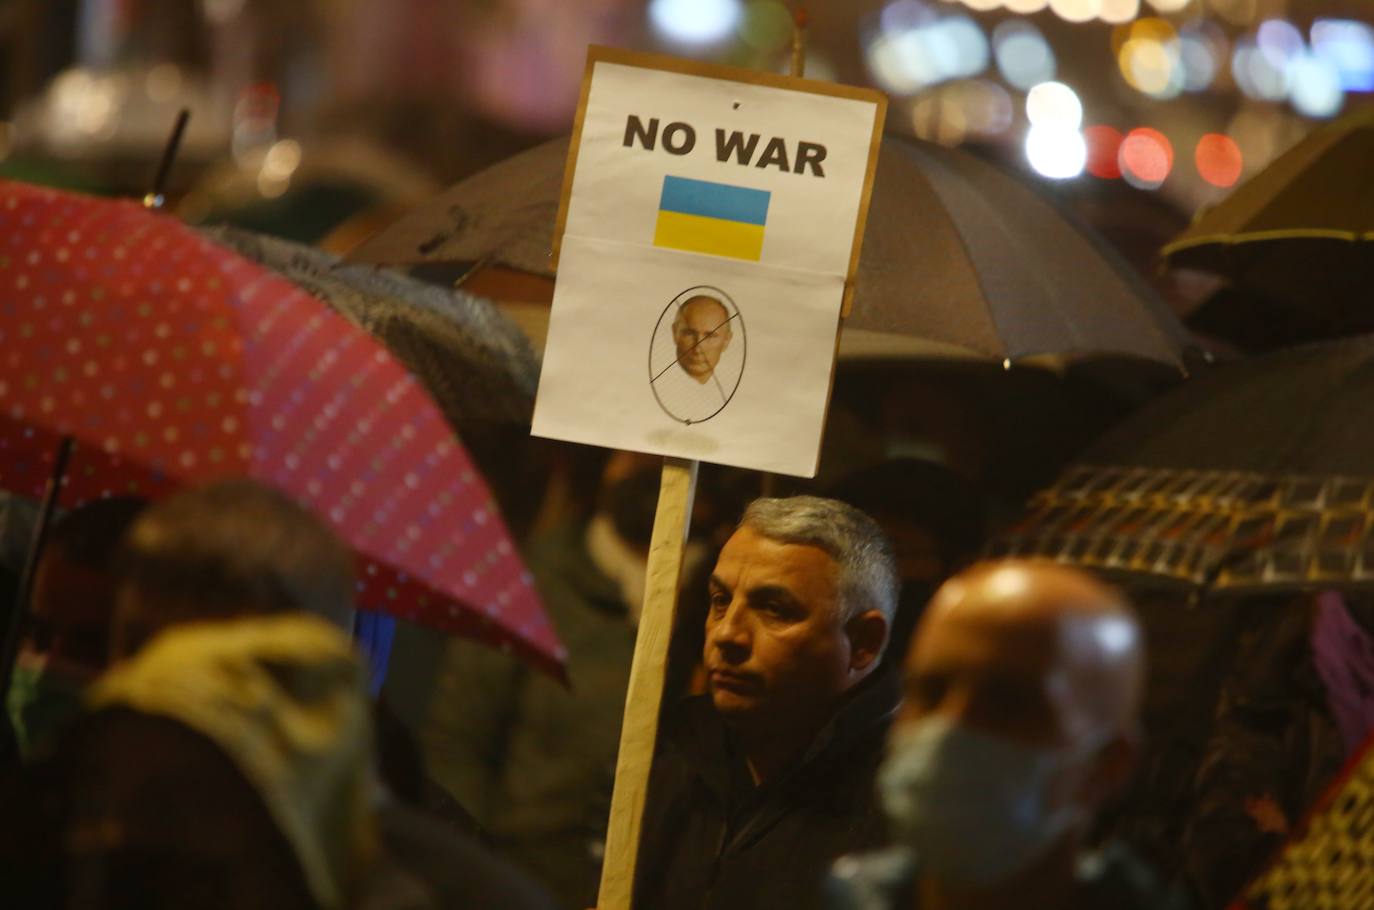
639,730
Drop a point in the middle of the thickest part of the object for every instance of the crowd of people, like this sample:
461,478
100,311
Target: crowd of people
860,716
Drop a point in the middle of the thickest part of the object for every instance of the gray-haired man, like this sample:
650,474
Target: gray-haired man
763,781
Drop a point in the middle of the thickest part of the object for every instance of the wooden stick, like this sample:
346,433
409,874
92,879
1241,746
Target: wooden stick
799,42
639,731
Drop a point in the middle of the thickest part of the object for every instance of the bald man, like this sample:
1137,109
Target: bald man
688,390
1022,691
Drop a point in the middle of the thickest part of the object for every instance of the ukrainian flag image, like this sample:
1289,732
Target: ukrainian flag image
704,217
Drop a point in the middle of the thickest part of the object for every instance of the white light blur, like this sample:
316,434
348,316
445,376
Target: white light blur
1349,45
907,60
969,45
1197,53
1056,153
1054,105
1169,6
1118,12
1280,42
1025,7
904,15
1076,10
1024,57
899,63
1256,76
695,21
1315,87
982,6
282,159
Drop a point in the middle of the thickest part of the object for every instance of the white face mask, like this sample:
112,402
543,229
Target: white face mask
971,805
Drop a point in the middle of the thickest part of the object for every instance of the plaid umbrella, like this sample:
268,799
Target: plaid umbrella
1255,475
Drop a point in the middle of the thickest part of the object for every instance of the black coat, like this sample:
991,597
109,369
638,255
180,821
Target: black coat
713,841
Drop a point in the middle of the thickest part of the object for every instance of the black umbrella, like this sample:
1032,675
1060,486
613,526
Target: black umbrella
956,252
1255,475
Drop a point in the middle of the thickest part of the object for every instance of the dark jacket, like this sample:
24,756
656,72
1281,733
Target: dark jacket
532,759
711,839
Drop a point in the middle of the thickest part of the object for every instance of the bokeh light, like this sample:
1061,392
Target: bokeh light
1146,157
1218,159
1025,7
1349,46
1076,10
1024,57
1169,6
1315,87
1055,152
1150,58
1201,50
921,51
1054,105
1280,42
1118,11
1256,75
1104,149
695,21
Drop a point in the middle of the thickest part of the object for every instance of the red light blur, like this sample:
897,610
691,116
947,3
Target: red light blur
1219,160
1146,158
1104,148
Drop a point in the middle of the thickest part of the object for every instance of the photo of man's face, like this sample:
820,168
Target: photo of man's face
702,333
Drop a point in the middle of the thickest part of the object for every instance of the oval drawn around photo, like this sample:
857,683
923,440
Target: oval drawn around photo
697,354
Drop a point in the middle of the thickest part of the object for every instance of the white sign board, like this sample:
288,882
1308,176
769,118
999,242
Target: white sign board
710,224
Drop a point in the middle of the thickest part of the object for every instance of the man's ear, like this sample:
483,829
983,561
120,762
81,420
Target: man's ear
867,633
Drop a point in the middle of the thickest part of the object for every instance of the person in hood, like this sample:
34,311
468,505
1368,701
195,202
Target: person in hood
1022,692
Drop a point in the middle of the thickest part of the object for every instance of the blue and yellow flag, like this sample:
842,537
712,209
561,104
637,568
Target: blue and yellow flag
704,217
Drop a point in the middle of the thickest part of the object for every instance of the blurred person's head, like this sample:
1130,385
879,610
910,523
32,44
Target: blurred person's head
1020,721
229,548
225,765
67,635
936,521
701,331
800,602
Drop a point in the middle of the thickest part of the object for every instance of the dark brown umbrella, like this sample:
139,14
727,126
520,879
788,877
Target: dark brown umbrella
1301,230
1258,475
956,253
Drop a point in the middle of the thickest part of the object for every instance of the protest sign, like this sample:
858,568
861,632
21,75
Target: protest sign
710,225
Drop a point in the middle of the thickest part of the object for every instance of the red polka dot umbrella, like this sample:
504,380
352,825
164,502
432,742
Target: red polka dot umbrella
172,360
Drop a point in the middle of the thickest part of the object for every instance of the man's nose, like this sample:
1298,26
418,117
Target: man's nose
730,633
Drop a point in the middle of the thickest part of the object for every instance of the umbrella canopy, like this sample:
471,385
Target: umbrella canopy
956,252
1255,475
1302,229
471,357
1329,861
170,358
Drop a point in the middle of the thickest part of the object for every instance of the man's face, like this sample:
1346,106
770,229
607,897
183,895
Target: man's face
776,649
701,332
